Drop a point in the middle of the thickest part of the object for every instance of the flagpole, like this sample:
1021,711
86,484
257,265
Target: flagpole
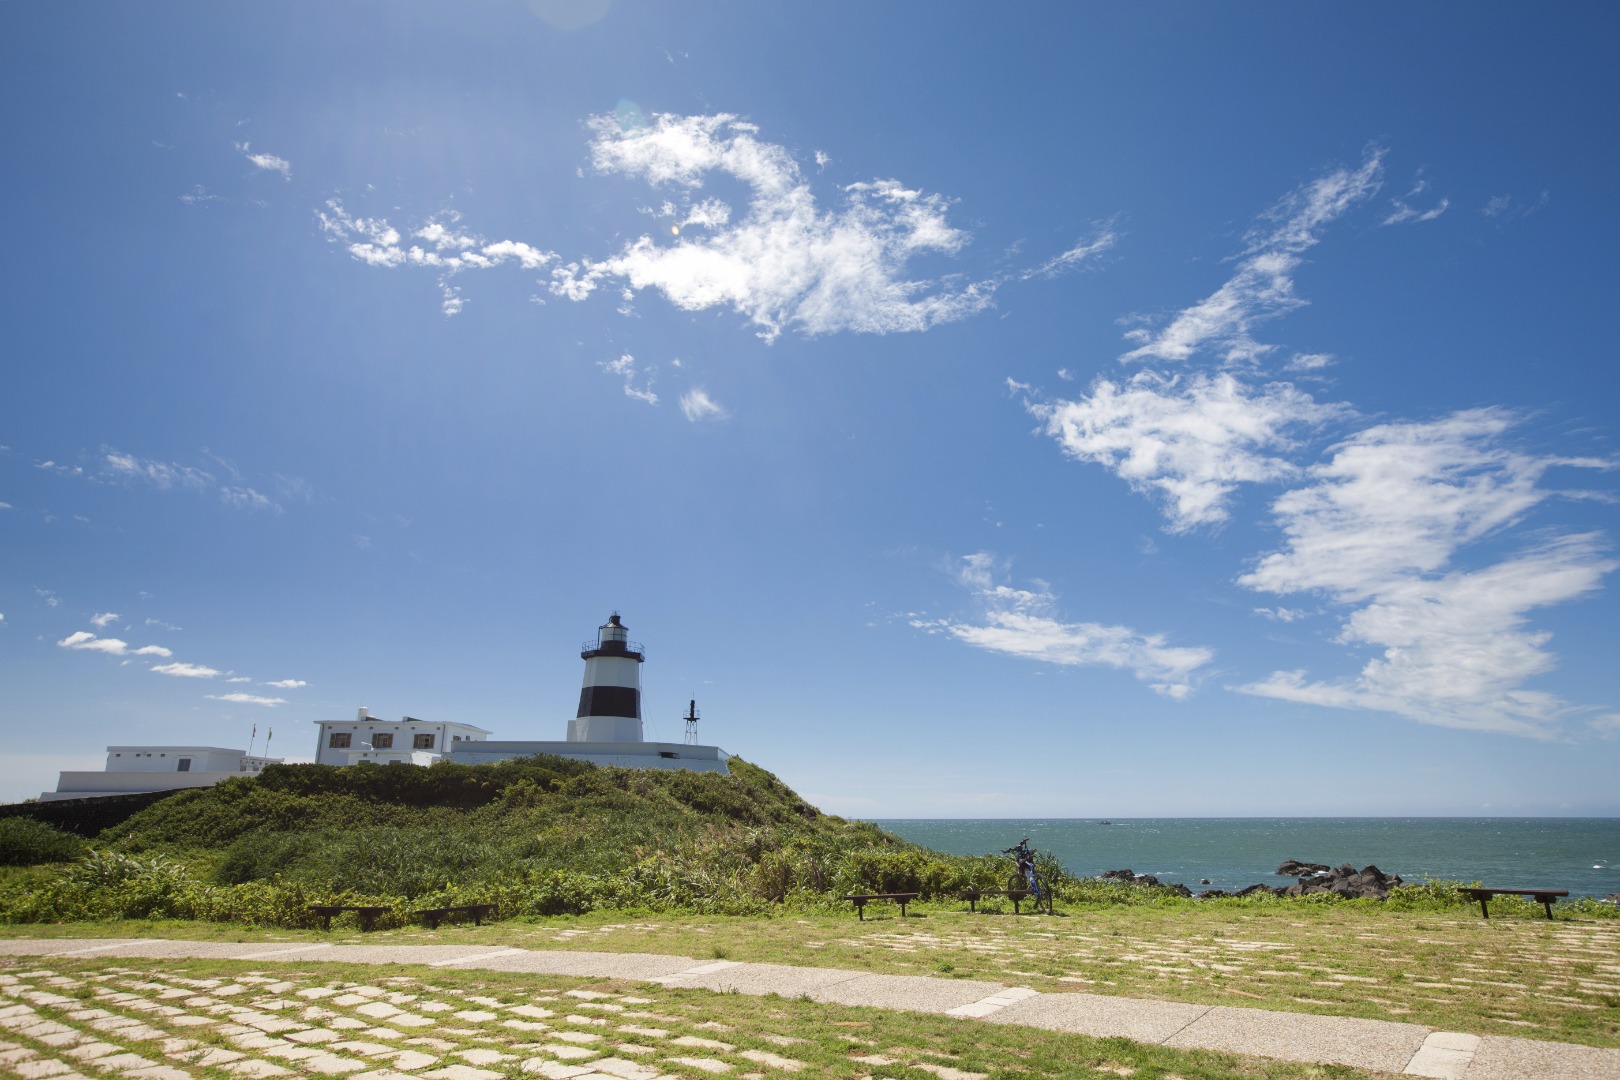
253,739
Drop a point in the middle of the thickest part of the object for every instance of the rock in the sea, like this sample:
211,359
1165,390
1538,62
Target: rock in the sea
1367,883
1295,868
1203,881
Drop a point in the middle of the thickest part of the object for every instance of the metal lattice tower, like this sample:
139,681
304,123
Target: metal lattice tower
691,723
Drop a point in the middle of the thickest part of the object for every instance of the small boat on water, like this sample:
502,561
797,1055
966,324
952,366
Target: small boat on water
1105,821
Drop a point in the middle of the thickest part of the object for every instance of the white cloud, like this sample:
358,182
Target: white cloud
444,247
625,368
268,162
1021,622
1377,530
1404,213
1263,286
248,699
286,684
1190,439
1308,361
1281,614
1104,239
100,621
89,642
5,506
697,405
161,625
188,671
152,650
239,679
160,474
48,595
245,498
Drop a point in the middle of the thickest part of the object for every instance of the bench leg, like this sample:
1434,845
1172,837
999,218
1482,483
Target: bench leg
326,922
1548,905
903,909
860,911
1483,910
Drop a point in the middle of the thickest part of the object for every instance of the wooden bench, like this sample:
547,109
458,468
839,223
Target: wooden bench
435,915
1544,897
973,896
327,911
901,898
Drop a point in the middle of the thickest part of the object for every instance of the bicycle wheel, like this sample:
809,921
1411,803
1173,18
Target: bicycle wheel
1016,883
1043,894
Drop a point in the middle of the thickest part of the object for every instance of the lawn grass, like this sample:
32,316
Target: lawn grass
205,1015
1515,974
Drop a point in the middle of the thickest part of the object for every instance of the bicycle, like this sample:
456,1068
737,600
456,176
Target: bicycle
1027,879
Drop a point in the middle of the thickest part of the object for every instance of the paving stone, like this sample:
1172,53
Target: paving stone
431,1043
525,1025
123,1062
1375,1045
213,1055
635,1048
380,1010
315,993
331,1065
462,1072
568,1053
626,1070
357,1046
191,1020
62,1038
708,1065
381,1074
256,1068
578,1036
644,1032
483,1057
476,1016
90,1051
435,1007
555,1070
770,1060
346,1023
702,1044
382,1033
1502,1058
945,1072
160,1072
39,1068
310,1036
411,1060
534,1012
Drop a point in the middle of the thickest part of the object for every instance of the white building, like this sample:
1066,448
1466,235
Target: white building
134,769
606,728
409,741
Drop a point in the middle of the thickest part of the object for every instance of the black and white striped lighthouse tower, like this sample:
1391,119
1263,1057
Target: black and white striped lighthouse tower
610,700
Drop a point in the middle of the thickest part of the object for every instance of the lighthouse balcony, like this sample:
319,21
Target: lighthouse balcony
630,649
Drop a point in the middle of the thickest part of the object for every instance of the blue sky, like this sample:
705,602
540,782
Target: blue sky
1076,411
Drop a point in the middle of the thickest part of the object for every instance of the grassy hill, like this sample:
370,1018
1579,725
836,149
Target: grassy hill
536,836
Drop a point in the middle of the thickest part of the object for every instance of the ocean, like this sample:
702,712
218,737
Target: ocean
1578,854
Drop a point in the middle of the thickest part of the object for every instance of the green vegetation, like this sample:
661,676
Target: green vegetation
539,836
26,842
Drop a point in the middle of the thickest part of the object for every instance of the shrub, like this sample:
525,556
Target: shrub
26,842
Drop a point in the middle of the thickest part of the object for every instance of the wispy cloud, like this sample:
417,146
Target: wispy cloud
245,498
187,671
159,474
287,684
267,162
1190,440
100,621
1023,623
780,258
1376,531
1263,286
1403,210
697,405
248,699
625,368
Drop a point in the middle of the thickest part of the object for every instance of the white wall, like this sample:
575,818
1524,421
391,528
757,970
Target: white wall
167,758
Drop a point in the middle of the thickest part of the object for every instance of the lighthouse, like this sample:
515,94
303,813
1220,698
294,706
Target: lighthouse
610,699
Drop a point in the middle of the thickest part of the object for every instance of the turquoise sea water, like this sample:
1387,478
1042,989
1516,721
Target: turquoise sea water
1578,854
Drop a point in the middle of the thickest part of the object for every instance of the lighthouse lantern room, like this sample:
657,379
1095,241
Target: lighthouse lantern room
610,699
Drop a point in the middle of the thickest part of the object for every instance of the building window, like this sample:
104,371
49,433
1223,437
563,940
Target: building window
339,740
185,765
422,742
382,740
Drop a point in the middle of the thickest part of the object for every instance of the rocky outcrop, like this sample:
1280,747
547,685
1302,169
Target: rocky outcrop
1131,877
1368,883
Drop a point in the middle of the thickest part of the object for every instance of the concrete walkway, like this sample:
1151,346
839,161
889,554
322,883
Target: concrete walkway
1376,1045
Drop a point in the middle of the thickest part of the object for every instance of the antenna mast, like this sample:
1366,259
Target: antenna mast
691,723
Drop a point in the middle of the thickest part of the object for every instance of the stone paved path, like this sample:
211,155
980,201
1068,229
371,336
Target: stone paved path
394,1031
